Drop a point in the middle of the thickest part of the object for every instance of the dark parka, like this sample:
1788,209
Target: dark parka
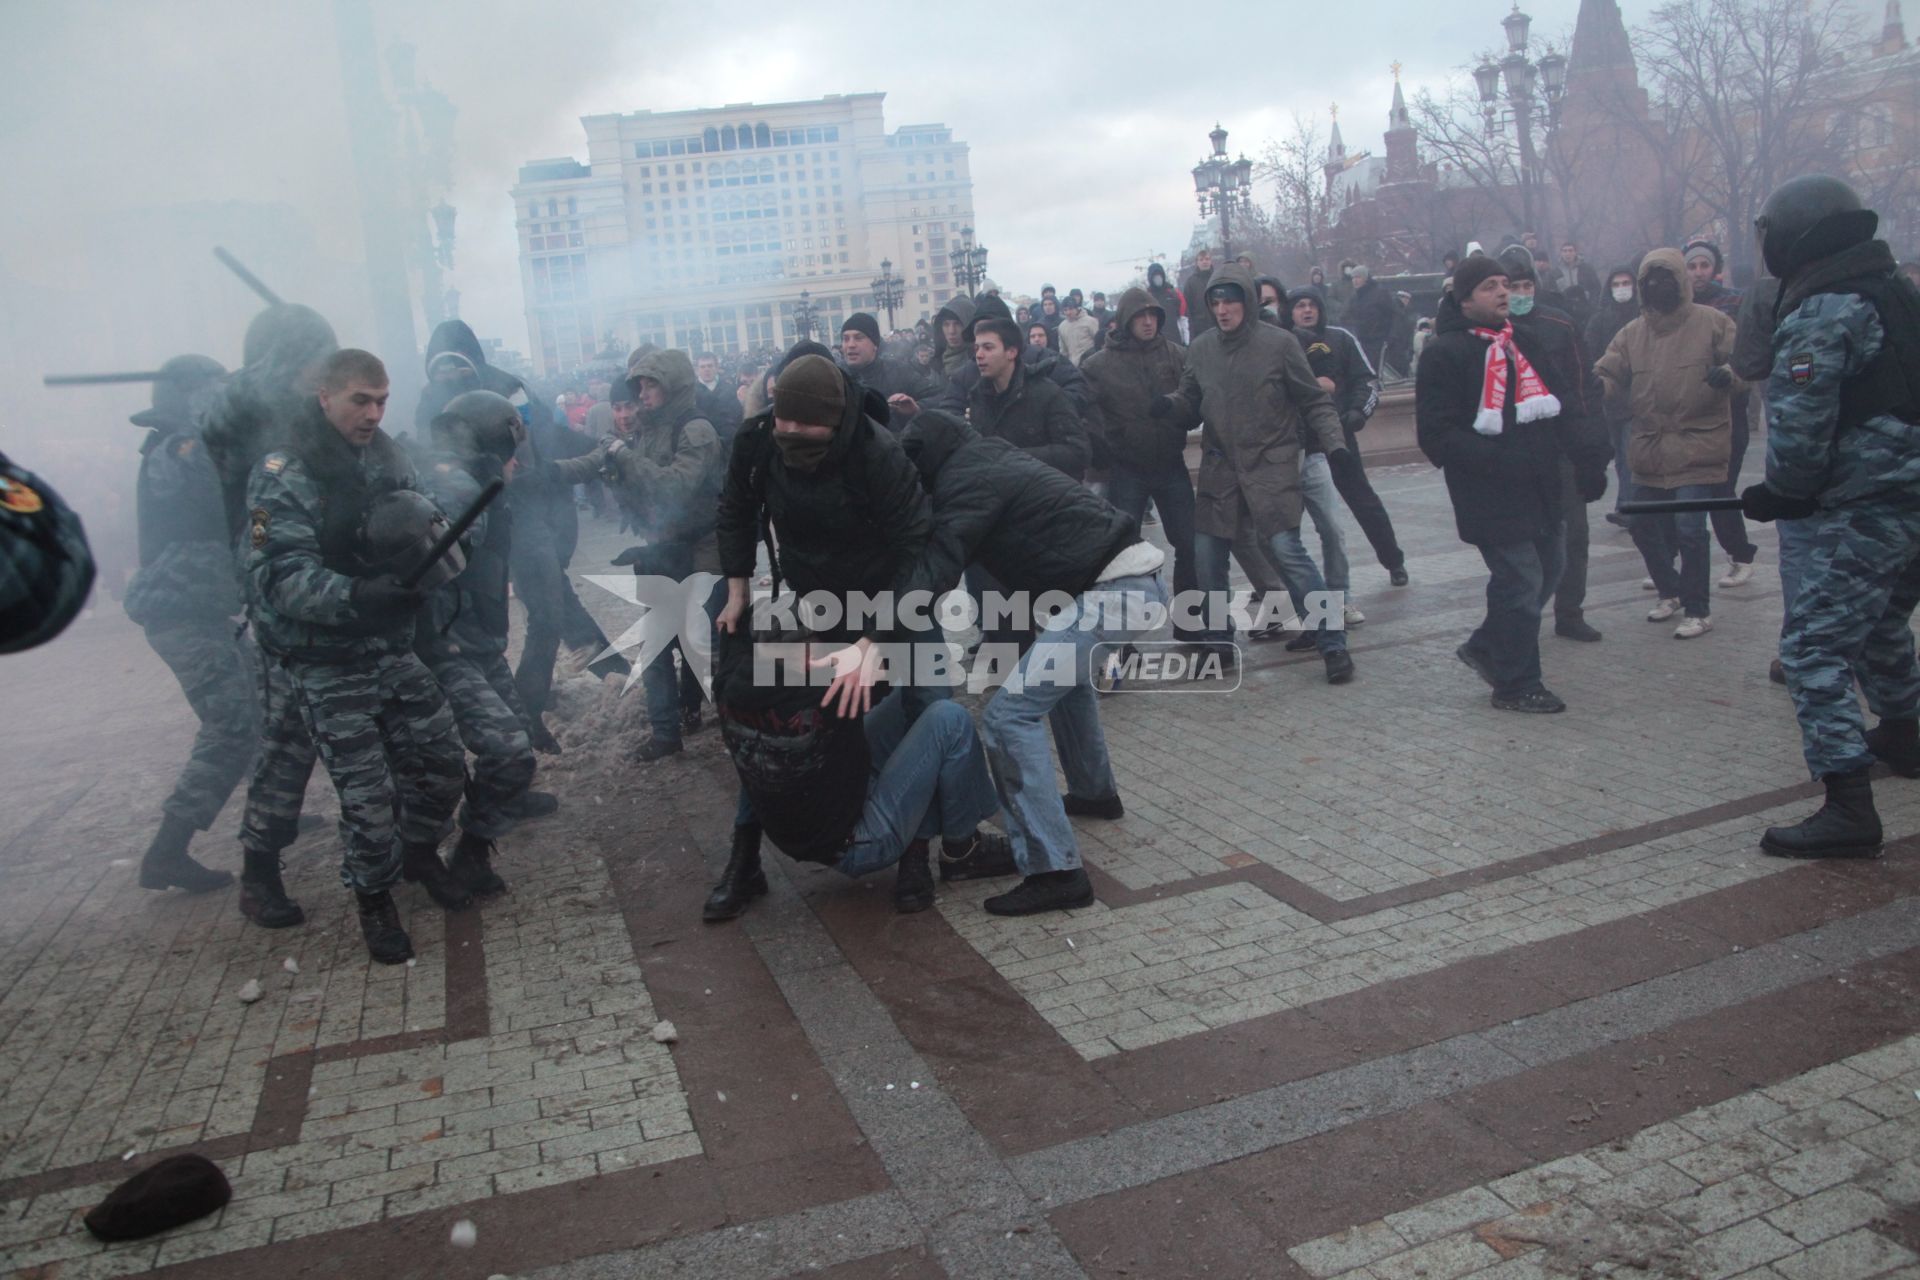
1258,397
670,477
1335,354
1194,293
1125,377
1505,488
1031,527
1370,315
1035,415
887,377
1565,366
856,522
953,361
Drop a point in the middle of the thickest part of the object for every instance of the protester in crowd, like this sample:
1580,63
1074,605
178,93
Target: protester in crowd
1194,290
1622,304
1079,333
1704,266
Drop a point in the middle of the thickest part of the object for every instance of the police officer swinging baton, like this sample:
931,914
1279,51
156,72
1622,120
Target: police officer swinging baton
454,533
1677,506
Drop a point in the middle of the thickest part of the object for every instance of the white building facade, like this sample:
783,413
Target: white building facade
705,229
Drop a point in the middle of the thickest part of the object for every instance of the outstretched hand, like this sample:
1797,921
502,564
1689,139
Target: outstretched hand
855,669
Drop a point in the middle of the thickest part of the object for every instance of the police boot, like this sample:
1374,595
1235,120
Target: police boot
742,881
420,863
167,864
387,942
1896,744
263,899
529,805
1846,826
472,866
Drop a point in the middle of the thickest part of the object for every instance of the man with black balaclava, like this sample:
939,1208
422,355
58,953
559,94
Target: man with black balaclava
462,634
186,597
333,520
1843,458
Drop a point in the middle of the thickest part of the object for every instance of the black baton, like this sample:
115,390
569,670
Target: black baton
96,379
1675,506
453,533
247,277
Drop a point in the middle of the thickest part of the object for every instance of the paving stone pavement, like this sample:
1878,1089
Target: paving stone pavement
1380,983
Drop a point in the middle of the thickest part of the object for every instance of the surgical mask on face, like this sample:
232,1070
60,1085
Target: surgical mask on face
1623,293
1520,304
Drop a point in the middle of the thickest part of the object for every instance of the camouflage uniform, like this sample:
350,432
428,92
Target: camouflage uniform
376,718
185,597
1851,618
278,788
463,641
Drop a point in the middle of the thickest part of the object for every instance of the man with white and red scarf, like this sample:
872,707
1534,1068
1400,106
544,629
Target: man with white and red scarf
1487,419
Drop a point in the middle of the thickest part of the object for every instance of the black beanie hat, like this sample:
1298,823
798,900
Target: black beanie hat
1472,273
1517,259
171,1193
861,322
810,390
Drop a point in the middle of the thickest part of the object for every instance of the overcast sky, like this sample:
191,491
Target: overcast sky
1083,120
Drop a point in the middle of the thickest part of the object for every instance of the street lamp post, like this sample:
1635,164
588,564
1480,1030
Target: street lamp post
889,290
1534,89
970,262
803,315
1223,186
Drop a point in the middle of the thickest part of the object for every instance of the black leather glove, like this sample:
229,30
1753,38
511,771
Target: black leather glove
1338,457
1354,420
384,597
1162,407
1757,502
1719,377
1591,484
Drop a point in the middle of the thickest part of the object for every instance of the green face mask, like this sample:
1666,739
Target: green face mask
801,454
1520,304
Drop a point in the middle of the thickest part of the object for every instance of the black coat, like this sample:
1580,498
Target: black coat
887,377
857,522
1566,366
1505,488
1031,527
1370,315
1035,415
1060,371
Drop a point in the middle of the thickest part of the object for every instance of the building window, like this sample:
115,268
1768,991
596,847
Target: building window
833,133
679,147
815,135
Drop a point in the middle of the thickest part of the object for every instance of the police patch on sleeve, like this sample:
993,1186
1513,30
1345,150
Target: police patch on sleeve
1800,368
19,498
260,521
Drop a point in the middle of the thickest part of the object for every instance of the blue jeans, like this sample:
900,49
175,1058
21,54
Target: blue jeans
1297,570
1316,486
930,779
662,685
1661,538
1053,681
1524,577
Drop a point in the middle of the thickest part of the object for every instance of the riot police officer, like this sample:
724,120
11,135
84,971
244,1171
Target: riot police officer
1843,454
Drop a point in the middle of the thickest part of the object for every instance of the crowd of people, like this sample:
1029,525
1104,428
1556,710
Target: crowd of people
991,453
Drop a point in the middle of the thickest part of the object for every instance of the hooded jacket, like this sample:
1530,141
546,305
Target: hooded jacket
1171,300
1335,353
951,361
856,522
254,411
1194,292
1258,397
1608,319
1680,431
1031,527
1504,488
1125,377
670,477
1035,415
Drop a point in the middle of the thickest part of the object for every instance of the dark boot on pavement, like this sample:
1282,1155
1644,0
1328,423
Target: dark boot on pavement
167,865
472,866
913,880
420,864
1398,576
1575,629
1895,743
1339,666
387,942
1846,826
543,740
1302,642
263,899
1479,665
1047,891
1108,807
529,805
1539,702
742,881
654,749
982,856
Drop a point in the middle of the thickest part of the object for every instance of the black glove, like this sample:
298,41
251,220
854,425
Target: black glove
384,597
1338,457
1162,407
1354,420
1719,377
1757,502
1591,484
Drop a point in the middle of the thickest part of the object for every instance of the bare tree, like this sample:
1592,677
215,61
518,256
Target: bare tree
1756,87
1454,133
1297,167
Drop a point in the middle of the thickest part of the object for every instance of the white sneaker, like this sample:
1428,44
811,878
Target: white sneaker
1738,575
1664,610
1353,615
1646,584
1693,628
